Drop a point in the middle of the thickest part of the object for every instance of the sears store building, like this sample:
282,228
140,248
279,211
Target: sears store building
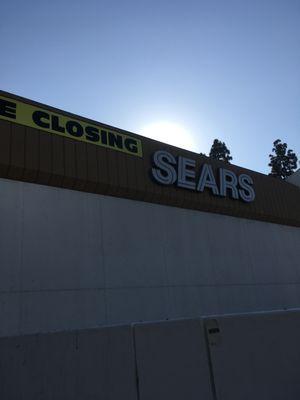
101,226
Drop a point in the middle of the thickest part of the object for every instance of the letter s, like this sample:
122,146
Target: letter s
165,173
246,192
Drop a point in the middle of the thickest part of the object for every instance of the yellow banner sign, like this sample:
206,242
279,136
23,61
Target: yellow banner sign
62,125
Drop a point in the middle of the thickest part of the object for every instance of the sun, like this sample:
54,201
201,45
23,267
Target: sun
171,133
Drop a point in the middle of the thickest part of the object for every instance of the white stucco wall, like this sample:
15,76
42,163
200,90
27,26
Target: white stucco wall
73,260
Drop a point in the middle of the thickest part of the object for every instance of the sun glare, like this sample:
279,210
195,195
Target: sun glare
170,133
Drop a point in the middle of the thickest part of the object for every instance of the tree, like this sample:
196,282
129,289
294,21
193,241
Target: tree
219,151
284,162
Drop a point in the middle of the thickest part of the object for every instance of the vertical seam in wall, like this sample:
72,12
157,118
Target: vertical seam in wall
164,229
213,267
137,381
81,223
244,226
24,152
103,259
20,324
210,364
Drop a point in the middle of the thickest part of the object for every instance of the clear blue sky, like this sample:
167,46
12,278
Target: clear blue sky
222,69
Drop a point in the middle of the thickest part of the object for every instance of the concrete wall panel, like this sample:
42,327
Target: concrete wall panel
188,257
193,301
237,299
11,211
243,356
133,250
10,309
70,259
95,364
229,250
256,356
61,240
59,310
137,304
172,361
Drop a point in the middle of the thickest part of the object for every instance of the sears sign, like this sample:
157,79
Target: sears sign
181,172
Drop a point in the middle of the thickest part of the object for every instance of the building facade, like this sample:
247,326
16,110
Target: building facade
100,226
